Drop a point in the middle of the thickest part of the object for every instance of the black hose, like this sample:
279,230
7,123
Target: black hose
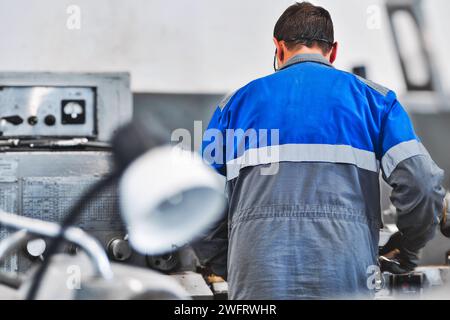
69,220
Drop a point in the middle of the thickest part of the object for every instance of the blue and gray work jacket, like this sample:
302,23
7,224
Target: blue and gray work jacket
302,151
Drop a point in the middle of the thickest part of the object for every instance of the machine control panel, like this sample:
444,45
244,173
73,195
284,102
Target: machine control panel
39,111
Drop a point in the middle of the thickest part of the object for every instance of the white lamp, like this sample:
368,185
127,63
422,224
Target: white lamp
169,197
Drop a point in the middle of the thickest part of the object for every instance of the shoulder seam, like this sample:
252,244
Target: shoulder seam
375,86
223,103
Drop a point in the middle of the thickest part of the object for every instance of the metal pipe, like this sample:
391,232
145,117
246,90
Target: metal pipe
75,235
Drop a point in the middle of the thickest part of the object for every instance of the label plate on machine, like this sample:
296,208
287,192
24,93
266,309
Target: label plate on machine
51,198
8,203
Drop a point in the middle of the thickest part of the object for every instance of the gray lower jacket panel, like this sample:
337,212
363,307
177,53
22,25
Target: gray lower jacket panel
311,231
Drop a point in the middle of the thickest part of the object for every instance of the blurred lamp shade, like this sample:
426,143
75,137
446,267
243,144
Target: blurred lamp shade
168,198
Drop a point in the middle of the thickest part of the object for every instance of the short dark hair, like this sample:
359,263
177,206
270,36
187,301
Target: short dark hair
304,24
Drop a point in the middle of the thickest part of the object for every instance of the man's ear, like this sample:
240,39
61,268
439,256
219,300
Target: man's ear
280,50
334,52
277,44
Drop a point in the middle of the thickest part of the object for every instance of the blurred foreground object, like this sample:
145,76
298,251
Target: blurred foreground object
168,197
88,275
54,140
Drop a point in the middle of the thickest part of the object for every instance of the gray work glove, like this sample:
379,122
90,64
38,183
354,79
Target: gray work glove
396,258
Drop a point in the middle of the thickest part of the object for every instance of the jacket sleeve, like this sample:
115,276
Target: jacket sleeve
212,247
416,180
213,142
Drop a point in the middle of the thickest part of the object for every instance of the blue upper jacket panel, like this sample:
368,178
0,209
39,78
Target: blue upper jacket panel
312,103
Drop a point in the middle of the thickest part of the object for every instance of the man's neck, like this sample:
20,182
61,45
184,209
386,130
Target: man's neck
304,50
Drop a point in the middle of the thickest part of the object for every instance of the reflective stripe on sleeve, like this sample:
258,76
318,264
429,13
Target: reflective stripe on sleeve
399,153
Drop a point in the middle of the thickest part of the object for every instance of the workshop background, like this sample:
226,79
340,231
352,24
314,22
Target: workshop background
184,56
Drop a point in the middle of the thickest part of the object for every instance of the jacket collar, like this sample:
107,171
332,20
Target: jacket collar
306,57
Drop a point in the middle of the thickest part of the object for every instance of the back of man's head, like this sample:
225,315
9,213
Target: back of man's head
304,24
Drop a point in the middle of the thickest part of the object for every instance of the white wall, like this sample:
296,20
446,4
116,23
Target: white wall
197,46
